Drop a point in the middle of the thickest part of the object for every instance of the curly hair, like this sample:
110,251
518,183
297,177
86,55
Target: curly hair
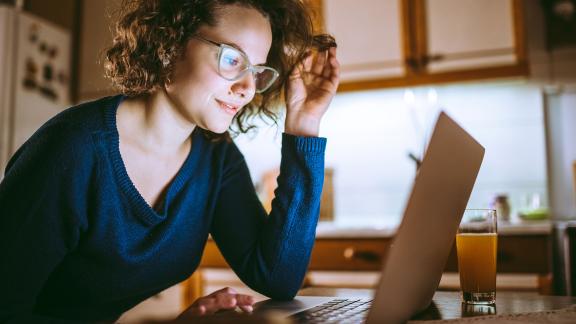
152,34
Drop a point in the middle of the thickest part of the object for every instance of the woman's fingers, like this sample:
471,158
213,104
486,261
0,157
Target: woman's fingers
225,290
332,68
244,300
225,301
301,67
195,310
226,298
208,305
307,62
319,63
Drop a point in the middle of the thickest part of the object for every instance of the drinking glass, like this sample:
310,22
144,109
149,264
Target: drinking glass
476,244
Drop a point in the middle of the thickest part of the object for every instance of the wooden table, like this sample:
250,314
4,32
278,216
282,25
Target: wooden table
447,305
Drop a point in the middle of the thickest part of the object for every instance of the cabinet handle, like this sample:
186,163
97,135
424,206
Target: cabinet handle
412,63
351,254
432,58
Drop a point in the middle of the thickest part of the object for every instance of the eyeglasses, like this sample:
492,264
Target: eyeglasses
233,64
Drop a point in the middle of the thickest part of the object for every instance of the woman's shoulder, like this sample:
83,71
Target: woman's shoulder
78,123
68,135
88,116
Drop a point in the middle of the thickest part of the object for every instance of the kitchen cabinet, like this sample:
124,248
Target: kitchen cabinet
521,250
386,43
475,34
517,253
369,37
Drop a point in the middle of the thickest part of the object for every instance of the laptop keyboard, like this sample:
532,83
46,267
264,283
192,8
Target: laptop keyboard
336,311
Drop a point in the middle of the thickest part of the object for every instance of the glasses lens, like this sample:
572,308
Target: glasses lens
264,78
232,63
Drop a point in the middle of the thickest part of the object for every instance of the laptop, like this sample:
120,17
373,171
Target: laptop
413,266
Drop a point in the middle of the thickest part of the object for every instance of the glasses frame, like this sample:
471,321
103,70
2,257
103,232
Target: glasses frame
250,68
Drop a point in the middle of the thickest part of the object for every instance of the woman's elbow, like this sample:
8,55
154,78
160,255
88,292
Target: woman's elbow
282,292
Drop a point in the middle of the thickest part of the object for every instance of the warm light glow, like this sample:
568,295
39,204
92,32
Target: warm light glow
432,96
409,97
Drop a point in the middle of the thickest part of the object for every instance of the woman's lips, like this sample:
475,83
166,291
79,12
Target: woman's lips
229,108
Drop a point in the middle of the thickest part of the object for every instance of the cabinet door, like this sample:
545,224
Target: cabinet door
369,37
470,34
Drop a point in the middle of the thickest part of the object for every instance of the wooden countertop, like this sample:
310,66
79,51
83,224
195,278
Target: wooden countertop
347,230
335,230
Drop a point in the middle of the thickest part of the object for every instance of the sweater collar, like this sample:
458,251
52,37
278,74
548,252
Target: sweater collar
143,210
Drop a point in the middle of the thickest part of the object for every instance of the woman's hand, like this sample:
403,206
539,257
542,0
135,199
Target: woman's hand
309,90
222,299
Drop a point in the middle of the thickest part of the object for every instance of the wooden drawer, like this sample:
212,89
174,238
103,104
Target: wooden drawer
349,254
517,254
328,254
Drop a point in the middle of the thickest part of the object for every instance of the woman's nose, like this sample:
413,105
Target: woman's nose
245,87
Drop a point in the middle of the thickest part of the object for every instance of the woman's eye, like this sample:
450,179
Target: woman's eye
231,61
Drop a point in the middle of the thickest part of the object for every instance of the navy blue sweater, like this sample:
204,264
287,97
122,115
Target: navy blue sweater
78,241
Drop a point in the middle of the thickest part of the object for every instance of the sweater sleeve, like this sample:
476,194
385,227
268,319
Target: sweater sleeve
40,203
270,253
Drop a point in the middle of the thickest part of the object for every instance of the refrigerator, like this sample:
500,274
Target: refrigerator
34,76
560,118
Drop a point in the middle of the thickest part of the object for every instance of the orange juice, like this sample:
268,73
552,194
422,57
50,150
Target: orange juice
477,262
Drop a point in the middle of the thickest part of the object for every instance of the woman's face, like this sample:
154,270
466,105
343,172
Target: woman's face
197,91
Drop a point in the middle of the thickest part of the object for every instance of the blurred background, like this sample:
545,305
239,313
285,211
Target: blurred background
504,69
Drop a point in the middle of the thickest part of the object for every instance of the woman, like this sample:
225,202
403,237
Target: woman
112,201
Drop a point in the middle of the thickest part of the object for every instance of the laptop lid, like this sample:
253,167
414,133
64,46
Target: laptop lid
413,266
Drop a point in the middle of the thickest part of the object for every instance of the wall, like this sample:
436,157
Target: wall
371,133
96,35
59,12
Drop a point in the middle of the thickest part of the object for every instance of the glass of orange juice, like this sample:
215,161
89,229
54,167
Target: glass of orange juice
476,244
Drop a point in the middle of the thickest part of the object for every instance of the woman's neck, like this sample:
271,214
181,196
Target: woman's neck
154,124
